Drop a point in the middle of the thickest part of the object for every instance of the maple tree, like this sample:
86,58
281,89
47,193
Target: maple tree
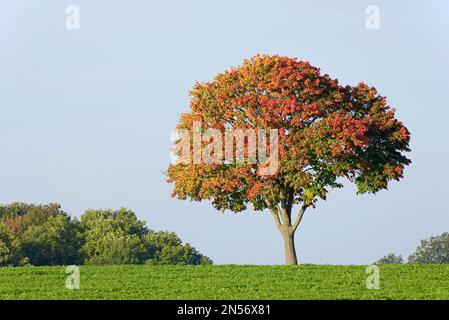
326,132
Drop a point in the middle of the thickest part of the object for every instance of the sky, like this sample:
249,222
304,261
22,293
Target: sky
86,114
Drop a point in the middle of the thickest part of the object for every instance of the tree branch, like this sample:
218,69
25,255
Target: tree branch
275,213
299,217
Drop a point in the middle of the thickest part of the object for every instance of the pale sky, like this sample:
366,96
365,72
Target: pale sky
86,115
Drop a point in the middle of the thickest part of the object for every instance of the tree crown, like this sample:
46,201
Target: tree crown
326,132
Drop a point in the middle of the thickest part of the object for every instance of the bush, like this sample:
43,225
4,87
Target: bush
390,259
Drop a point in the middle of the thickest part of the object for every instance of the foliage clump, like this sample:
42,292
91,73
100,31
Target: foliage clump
434,250
390,259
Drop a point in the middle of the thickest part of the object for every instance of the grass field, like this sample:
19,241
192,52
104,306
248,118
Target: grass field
226,282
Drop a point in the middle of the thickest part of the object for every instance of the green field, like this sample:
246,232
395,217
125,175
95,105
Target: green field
226,282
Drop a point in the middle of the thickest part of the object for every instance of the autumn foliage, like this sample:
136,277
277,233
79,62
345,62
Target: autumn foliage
326,132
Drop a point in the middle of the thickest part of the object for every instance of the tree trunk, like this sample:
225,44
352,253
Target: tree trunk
283,219
290,251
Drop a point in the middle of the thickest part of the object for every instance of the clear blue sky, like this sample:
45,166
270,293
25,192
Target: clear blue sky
86,115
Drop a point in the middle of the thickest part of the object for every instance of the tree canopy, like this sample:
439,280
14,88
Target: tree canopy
390,258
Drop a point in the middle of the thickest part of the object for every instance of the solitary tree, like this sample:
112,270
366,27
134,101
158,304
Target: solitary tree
320,132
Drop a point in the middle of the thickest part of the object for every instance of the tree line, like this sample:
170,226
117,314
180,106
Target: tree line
46,235
434,250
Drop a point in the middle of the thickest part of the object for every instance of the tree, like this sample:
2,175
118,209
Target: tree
42,234
113,237
118,237
7,250
433,250
17,217
325,132
167,248
56,241
390,259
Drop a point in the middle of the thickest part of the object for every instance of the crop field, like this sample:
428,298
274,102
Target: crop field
226,282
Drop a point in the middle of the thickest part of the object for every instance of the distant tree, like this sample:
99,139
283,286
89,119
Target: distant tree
434,250
113,237
118,237
17,217
43,234
7,250
122,219
167,248
56,241
114,249
390,259
17,209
